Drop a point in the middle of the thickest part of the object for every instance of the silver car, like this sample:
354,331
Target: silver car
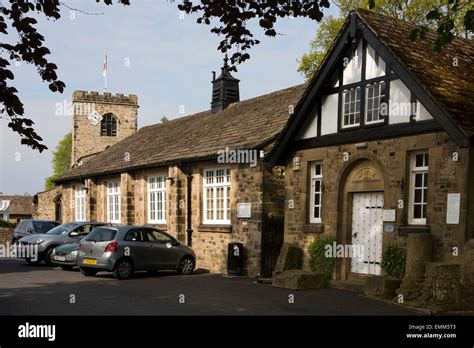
125,249
44,244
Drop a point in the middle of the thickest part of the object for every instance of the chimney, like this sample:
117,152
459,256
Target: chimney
225,89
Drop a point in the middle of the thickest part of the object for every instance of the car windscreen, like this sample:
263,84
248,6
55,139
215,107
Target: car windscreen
43,226
58,230
101,235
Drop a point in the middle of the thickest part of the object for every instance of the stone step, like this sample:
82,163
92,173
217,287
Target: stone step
348,285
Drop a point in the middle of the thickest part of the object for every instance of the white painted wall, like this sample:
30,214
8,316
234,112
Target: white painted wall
329,114
373,69
352,72
421,112
399,102
310,128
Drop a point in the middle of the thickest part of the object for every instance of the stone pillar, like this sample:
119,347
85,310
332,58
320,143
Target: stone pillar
419,251
442,289
468,265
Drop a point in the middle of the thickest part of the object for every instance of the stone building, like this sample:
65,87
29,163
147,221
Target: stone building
14,208
380,146
203,178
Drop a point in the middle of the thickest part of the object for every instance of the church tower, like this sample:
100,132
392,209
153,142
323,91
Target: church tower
99,121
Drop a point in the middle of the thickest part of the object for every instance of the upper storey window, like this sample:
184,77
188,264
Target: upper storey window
108,126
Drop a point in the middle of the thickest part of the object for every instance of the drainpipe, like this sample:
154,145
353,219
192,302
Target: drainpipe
189,230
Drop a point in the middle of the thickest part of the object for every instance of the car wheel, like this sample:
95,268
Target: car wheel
47,257
88,272
186,266
66,268
33,263
123,269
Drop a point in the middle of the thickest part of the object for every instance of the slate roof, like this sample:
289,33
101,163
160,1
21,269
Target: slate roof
246,124
19,205
451,86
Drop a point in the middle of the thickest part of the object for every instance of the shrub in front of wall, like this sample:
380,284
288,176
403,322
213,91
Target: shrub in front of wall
318,259
394,261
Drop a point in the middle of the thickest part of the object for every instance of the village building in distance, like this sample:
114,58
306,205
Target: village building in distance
202,178
376,150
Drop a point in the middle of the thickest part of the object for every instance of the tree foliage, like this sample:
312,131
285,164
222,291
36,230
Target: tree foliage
61,160
228,19
447,17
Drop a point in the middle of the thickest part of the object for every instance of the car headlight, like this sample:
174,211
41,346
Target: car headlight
74,253
39,241
54,251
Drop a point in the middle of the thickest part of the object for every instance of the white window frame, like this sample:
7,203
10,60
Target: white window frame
113,200
156,193
214,186
80,203
344,105
414,170
379,97
314,179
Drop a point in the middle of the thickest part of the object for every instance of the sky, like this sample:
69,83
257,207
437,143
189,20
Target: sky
153,51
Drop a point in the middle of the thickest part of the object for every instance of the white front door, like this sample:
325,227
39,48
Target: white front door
367,225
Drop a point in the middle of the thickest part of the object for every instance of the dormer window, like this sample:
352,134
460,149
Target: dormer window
108,125
351,108
374,95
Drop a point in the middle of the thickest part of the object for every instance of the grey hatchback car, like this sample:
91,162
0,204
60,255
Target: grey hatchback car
125,249
63,234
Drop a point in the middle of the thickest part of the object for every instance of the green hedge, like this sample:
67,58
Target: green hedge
7,224
318,261
394,261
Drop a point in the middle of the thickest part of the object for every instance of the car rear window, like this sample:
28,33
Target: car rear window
42,226
101,235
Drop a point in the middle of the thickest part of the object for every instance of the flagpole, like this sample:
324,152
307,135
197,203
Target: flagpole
105,71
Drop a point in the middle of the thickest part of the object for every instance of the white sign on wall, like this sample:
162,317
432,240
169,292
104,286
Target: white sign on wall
454,206
244,210
389,215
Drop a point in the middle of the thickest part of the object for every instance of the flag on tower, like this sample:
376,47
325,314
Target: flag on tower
104,73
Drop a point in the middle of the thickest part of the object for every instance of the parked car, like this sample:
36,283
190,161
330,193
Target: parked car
63,234
65,256
125,249
30,227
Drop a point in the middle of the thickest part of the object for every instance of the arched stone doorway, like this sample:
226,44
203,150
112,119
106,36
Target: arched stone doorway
360,226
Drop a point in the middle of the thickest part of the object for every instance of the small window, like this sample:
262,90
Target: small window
418,188
157,199
101,235
216,196
351,108
108,126
374,96
316,192
113,201
80,203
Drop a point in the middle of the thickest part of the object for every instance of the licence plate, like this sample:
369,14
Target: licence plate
60,258
90,261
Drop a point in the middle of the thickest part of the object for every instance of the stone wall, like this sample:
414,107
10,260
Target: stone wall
45,207
86,137
209,242
392,157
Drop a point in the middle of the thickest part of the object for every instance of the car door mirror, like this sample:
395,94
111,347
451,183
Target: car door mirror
74,234
175,243
29,230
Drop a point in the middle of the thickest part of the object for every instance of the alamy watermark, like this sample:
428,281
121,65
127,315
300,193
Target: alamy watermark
239,156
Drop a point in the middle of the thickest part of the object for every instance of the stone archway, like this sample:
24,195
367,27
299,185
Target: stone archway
58,210
360,207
